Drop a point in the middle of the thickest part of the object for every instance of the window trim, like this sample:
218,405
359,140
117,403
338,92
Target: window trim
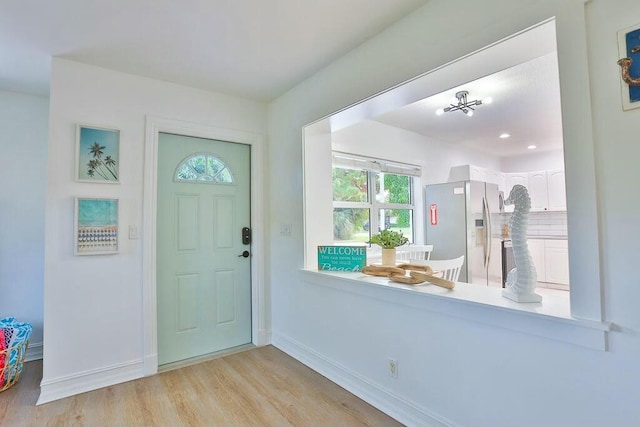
378,166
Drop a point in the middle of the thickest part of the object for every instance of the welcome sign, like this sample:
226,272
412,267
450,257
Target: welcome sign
342,258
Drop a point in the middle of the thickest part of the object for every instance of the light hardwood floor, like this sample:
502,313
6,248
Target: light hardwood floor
258,387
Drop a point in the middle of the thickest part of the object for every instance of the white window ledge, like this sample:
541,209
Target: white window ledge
479,304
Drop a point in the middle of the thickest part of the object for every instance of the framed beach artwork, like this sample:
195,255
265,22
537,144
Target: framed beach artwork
629,47
96,226
97,154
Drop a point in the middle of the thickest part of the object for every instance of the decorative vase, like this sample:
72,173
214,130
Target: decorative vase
389,256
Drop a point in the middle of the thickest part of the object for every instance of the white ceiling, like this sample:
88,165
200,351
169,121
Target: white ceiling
259,49
256,49
519,72
526,105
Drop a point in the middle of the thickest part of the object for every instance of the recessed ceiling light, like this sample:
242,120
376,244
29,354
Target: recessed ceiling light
439,111
504,135
531,147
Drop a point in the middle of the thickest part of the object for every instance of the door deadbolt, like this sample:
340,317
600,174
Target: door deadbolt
246,236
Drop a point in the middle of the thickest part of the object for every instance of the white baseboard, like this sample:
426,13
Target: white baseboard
263,337
57,388
383,399
150,364
34,352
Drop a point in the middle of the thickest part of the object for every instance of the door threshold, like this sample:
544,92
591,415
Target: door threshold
204,358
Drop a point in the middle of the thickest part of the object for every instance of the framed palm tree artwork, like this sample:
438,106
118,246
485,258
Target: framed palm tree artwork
97,154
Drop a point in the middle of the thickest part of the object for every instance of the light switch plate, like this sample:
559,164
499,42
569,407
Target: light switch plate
133,232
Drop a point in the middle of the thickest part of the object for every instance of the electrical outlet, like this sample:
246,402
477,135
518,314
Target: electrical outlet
285,229
393,368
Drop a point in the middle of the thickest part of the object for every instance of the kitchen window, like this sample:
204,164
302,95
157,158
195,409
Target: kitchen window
370,195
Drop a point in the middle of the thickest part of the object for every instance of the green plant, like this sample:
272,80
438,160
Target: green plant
388,239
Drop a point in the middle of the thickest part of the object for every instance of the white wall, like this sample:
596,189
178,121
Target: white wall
450,369
545,160
93,304
24,124
374,139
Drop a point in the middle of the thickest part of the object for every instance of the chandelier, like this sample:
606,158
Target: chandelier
463,104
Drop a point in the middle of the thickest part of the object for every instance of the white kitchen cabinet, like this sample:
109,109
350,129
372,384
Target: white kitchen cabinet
478,174
493,177
514,179
538,190
546,188
556,261
460,173
556,190
473,173
502,183
537,252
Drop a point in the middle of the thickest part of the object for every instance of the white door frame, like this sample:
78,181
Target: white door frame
154,126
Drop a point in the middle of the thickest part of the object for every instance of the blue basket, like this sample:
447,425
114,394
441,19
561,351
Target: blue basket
13,350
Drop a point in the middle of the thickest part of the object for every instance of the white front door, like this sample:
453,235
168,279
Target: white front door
203,281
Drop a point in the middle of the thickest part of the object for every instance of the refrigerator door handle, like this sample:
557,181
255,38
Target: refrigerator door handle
489,233
485,208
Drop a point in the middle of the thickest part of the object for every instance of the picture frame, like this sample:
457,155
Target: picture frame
96,226
629,38
97,154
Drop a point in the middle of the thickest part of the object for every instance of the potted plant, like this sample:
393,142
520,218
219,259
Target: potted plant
388,240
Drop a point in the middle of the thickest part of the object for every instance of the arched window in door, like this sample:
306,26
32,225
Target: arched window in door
203,168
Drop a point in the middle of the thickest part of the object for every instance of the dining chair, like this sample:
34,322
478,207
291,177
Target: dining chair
448,268
412,252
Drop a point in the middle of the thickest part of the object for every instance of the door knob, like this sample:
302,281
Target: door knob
244,254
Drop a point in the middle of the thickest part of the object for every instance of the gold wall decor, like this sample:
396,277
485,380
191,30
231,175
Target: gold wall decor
629,50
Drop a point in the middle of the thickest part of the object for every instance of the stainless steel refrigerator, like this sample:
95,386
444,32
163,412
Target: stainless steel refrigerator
458,222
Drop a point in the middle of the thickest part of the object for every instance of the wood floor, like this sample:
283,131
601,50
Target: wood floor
258,387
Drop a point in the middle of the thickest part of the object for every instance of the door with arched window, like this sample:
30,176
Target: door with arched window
203,279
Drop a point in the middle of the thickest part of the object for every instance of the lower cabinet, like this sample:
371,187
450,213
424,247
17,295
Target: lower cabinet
556,261
551,260
536,250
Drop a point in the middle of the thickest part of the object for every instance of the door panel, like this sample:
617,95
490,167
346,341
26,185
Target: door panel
187,222
203,287
226,292
223,222
187,302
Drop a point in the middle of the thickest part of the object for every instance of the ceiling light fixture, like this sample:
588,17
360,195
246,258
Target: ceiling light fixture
463,104
504,135
531,147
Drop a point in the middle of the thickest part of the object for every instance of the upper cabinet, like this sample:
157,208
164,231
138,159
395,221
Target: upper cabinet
512,179
546,188
538,191
556,188
473,173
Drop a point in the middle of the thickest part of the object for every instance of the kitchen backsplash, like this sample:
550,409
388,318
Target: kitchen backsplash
540,223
